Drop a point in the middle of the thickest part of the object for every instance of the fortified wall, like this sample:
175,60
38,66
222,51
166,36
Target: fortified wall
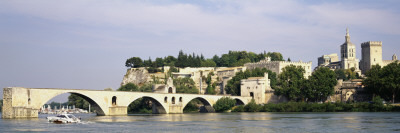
277,66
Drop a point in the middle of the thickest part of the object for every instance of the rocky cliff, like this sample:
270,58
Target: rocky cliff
138,76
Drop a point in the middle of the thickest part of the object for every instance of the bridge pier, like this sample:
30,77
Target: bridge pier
175,109
118,110
17,108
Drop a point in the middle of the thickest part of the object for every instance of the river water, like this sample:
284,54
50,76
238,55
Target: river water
216,122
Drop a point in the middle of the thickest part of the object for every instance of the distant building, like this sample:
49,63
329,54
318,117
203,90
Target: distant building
372,55
255,87
226,74
352,90
348,54
277,66
165,88
347,57
331,61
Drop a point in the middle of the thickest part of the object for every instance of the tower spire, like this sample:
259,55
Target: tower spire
347,35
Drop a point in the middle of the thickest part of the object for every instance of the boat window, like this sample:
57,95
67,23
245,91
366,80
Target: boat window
70,116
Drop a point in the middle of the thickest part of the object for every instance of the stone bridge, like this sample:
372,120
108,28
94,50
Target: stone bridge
21,102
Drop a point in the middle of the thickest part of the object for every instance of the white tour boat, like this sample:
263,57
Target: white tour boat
63,118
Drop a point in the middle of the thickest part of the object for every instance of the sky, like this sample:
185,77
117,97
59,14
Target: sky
83,44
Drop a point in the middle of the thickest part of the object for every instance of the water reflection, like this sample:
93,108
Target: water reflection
215,122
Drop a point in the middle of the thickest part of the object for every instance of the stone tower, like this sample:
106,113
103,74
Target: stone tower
394,57
371,55
348,53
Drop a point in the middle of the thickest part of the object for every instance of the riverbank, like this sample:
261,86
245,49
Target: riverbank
318,107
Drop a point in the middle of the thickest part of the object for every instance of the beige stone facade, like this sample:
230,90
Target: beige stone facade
327,59
225,74
346,91
347,57
259,88
165,88
255,87
348,54
277,66
372,55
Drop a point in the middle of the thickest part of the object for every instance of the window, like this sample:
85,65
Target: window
165,100
173,100
180,99
170,90
252,95
114,100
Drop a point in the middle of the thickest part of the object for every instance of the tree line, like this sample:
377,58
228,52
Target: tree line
384,81
291,83
231,59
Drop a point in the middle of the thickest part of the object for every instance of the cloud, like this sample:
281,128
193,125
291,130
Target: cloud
121,29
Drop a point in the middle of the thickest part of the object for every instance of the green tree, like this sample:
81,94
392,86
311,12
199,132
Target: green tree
391,80
320,84
340,74
351,74
224,104
159,62
275,56
185,85
208,63
290,81
373,82
134,62
170,61
128,87
210,86
148,63
141,105
78,101
252,106
384,82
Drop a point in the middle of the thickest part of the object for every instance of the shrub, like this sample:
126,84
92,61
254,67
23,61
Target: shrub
224,104
377,104
252,107
239,108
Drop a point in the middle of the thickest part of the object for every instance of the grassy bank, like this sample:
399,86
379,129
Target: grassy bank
375,106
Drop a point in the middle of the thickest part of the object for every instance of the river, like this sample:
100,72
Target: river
217,122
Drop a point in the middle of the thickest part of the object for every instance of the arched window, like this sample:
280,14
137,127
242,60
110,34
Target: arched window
180,99
252,95
114,100
173,100
165,99
170,90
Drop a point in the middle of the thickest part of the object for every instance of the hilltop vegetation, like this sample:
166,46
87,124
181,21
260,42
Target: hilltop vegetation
231,59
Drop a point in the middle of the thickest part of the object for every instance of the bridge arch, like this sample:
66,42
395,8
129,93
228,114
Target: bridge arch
96,105
207,104
239,102
158,107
